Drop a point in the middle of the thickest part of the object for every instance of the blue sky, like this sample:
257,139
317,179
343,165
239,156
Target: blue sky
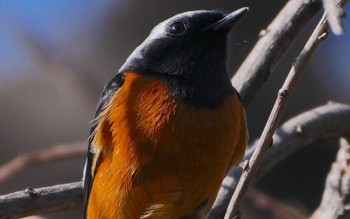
57,21
48,21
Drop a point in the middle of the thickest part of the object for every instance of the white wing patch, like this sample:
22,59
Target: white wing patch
151,211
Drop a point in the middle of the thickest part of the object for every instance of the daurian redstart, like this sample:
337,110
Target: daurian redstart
169,125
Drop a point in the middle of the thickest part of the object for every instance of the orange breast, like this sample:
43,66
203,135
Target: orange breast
159,158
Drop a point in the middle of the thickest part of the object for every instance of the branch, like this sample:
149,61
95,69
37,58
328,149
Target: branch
65,197
57,152
294,74
334,15
274,42
319,123
336,196
322,122
277,38
256,68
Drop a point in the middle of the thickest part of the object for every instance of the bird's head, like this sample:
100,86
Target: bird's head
188,49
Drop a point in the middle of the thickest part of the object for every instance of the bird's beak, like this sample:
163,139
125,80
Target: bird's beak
227,22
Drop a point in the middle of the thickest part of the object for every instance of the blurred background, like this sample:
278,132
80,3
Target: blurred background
56,56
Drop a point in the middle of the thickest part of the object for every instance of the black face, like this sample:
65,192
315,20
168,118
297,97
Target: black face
174,43
188,51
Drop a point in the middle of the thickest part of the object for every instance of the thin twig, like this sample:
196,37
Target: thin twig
305,129
335,200
322,122
274,42
307,12
296,71
54,153
256,69
64,197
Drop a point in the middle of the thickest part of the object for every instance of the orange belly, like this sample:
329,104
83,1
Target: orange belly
159,158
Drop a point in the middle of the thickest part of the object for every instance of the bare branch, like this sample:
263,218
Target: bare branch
65,197
335,201
322,122
252,73
256,69
274,42
334,14
319,123
294,74
57,152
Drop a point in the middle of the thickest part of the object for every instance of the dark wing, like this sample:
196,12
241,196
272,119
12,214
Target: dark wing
108,92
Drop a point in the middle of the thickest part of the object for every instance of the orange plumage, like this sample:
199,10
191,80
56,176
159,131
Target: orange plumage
168,125
155,151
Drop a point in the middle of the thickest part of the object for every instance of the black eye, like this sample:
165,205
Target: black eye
177,28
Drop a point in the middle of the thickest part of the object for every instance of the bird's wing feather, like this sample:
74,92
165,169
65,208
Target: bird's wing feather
92,161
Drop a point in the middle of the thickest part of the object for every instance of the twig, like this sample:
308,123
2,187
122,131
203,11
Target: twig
65,197
334,14
294,74
279,45
335,201
304,130
322,122
274,42
256,69
319,123
57,152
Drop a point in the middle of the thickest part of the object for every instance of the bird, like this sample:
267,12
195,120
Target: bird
168,126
